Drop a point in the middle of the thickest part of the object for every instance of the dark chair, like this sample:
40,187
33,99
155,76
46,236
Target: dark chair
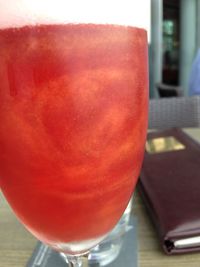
165,90
174,112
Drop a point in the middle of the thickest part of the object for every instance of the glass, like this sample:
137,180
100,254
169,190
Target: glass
73,117
109,249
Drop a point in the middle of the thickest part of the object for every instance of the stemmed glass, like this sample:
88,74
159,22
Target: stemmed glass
73,116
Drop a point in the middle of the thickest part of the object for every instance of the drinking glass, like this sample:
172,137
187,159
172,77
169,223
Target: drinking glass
73,116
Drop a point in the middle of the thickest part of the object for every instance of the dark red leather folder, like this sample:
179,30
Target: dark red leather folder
170,187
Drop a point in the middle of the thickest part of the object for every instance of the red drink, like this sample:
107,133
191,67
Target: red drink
73,118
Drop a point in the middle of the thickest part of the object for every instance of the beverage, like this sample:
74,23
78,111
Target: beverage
73,115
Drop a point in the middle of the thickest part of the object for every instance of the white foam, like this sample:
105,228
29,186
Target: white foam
30,12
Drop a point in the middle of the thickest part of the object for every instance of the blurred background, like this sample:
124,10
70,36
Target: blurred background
174,42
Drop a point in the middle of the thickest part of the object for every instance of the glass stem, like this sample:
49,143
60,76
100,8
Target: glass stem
77,261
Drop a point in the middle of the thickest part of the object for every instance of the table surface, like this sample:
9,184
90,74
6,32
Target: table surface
16,244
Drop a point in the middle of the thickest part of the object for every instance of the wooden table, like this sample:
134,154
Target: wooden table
16,244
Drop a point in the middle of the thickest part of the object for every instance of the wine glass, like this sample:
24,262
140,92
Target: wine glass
73,116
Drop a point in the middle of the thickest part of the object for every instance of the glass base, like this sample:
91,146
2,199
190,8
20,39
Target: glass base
125,254
77,248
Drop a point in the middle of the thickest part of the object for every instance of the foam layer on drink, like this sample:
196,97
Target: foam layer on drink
28,12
